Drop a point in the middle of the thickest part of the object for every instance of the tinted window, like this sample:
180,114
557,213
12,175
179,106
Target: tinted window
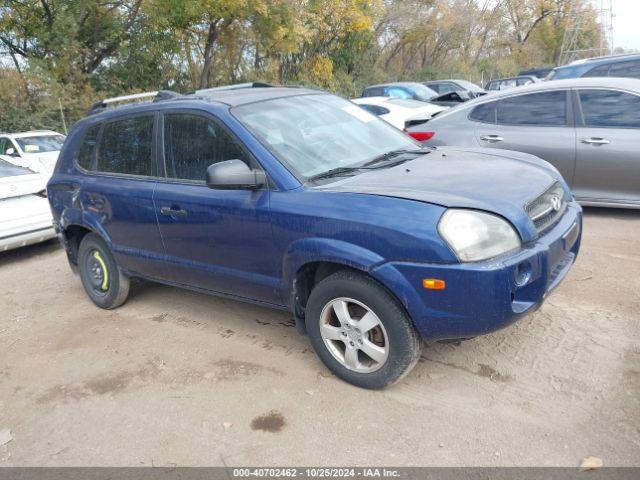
546,108
601,71
193,142
484,113
606,108
625,69
434,86
87,152
373,92
375,109
125,146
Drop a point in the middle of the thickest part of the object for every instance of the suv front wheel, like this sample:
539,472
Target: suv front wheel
101,277
360,332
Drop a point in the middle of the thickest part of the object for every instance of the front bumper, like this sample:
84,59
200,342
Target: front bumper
485,296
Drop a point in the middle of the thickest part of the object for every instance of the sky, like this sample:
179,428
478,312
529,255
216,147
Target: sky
626,23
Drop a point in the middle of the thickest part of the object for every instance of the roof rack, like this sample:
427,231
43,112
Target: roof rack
156,96
236,86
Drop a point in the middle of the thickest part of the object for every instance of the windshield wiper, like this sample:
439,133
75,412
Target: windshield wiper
334,172
392,154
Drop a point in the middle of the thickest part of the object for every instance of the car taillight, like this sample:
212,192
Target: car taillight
421,136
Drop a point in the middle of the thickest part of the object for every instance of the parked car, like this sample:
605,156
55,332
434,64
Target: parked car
626,66
303,201
512,82
588,128
36,150
412,90
25,216
540,73
399,112
448,86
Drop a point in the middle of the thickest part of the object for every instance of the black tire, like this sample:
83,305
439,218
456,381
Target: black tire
404,344
110,290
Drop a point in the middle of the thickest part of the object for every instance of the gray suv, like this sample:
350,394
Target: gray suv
588,128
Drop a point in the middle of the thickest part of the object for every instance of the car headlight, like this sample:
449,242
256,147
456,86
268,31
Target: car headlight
474,235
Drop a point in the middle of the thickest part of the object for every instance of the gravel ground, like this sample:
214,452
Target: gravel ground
179,378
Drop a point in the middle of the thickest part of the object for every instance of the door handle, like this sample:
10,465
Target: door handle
491,138
595,141
173,212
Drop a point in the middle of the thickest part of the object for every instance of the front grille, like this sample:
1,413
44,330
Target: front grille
547,209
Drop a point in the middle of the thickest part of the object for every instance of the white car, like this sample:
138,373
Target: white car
25,215
399,112
36,150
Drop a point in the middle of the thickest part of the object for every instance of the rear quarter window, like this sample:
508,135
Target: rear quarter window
87,152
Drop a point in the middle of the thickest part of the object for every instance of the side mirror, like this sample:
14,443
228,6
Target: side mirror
234,174
11,152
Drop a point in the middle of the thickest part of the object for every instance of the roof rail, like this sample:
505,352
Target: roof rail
236,86
156,96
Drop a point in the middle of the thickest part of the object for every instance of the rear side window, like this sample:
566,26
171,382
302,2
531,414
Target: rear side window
542,109
485,113
193,142
608,108
625,69
87,152
126,146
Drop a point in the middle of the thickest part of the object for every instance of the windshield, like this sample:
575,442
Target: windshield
422,92
44,143
313,134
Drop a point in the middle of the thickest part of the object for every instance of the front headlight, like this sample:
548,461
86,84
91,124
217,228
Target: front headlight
474,235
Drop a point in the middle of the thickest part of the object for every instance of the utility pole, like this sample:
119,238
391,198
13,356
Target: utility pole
570,42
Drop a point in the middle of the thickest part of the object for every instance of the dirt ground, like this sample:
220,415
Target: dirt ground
178,378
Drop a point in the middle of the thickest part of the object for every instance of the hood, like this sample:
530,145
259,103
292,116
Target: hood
464,178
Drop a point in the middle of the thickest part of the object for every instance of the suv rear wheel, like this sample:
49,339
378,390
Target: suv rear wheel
360,332
101,277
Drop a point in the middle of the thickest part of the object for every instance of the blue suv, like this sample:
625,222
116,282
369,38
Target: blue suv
300,200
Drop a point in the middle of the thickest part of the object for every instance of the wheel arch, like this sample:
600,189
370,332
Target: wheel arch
304,268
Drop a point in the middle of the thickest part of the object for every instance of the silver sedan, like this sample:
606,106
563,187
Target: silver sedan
588,128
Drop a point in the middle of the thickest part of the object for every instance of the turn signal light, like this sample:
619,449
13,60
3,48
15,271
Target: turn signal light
433,284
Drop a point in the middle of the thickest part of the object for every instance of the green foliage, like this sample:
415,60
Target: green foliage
74,52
